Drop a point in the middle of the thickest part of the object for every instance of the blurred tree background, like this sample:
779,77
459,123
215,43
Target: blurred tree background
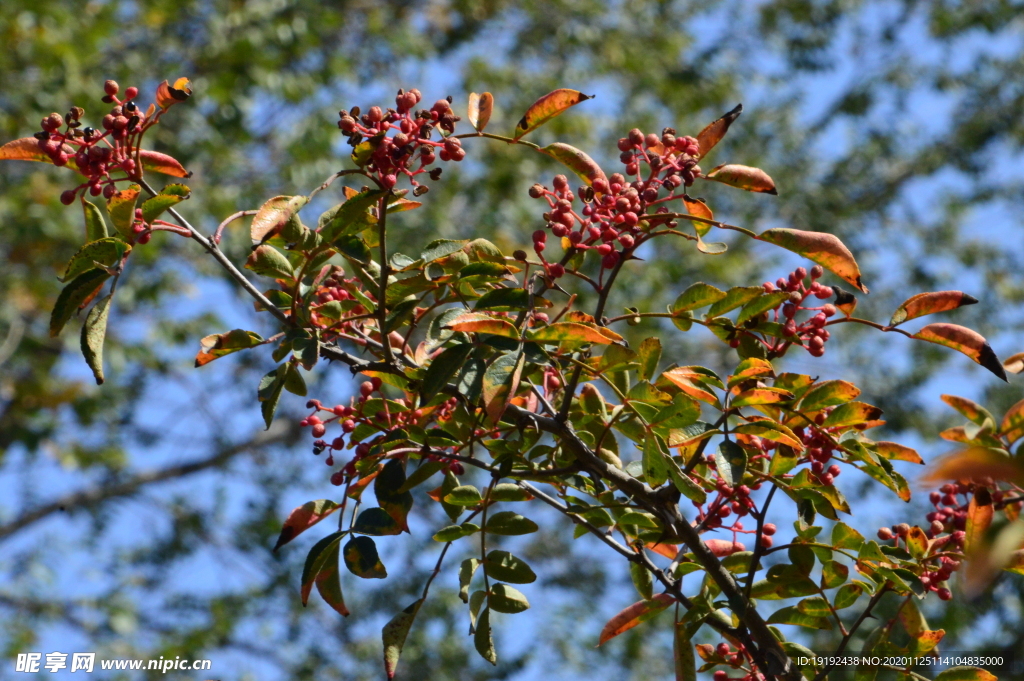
137,518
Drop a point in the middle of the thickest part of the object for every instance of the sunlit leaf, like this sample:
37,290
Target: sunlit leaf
1015,363
121,208
162,163
575,160
103,253
168,197
977,463
973,411
273,215
500,382
546,108
682,653
758,396
481,323
967,341
851,414
697,296
698,208
743,177
634,615
95,225
929,303
504,598
714,132
220,344
27,149
897,452
792,615
509,523
573,332
979,517
825,249
1012,426
828,394
769,430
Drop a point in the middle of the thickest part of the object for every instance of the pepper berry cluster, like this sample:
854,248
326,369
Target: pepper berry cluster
97,153
614,211
410,149
811,333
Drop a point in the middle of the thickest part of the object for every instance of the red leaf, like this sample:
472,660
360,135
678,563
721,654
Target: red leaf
639,612
27,149
303,518
162,163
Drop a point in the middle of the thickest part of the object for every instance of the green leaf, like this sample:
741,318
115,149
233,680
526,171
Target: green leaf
169,196
442,368
509,523
828,394
269,262
815,606
851,414
466,572
792,615
731,462
328,581
218,345
351,217
508,299
121,208
500,382
546,108
825,249
376,522
394,634
508,491
573,332
388,488
682,652
847,595
464,495
94,332
74,296
269,392
303,518
454,532
575,160
697,296
293,381
362,560
733,298
654,465
483,641
642,580
833,574
316,559
687,487
649,353
845,537
95,225
508,568
440,248
504,598
761,304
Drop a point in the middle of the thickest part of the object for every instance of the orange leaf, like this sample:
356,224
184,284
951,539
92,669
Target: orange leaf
574,159
574,332
825,249
27,149
975,463
929,303
891,450
547,107
162,163
667,550
713,133
481,323
724,547
699,209
979,518
220,344
303,518
168,95
743,177
682,379
480,108
967,341
635,614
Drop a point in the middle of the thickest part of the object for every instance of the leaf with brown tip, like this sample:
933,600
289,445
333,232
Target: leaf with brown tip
547,107
633,615
929,303
825,249
574,159
743,177
967,341
713,133
303,518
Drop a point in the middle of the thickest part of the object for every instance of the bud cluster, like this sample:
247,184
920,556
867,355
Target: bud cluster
400,139
614,217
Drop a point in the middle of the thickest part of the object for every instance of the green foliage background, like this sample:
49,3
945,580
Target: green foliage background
894,124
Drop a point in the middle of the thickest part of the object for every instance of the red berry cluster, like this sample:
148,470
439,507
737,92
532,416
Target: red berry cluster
811,332
735,657
97,153
400,138
730,500
610,220
336,287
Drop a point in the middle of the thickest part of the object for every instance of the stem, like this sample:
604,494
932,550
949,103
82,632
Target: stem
758,546
225,262
228,220
853,630
382,311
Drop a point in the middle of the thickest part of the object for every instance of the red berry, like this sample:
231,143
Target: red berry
376,382
68,197
556,270
723,649
131,93
111,87
366,388
944,594
769,529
